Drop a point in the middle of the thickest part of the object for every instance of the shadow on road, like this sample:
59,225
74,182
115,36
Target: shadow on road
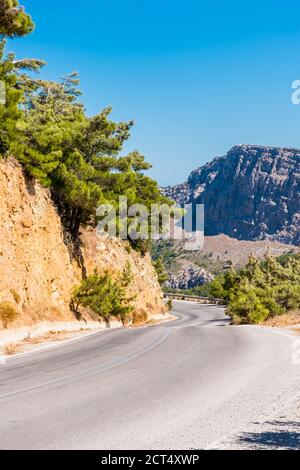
286,435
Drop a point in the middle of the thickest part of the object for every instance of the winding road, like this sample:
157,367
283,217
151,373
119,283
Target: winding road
184,384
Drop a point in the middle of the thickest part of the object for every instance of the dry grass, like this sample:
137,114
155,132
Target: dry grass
139,317
282,321
11,349
153,322
296,330
29,343
51,336
8,314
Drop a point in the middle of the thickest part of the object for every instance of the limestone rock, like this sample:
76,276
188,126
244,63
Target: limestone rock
252,193
189,276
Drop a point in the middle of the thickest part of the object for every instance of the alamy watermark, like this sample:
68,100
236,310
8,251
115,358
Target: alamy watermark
159,222
296,93
2,92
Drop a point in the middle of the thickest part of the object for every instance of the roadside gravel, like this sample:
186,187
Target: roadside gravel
282,432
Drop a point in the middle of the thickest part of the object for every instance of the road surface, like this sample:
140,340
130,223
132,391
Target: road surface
184,384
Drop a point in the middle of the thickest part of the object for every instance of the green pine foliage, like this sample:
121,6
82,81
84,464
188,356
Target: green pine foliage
14,21
10,113
77,156
162,275
222,285
12,75
104,296
261,290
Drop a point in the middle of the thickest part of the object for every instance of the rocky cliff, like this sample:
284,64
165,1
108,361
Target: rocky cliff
252,193
187,277
37,273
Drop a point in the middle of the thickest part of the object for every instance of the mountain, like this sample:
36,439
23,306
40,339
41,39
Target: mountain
189,269
252,193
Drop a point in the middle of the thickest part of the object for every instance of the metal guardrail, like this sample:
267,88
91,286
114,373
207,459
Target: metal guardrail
195,298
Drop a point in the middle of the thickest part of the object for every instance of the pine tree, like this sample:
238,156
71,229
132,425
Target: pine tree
79,156
264,289
104,296
14,21
162,275
12,76
10,113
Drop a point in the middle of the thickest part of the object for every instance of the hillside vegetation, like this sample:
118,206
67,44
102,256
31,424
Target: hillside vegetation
38,269
46,128
193,269
261,290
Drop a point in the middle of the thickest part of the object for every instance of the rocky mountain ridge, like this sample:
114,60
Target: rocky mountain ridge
251,193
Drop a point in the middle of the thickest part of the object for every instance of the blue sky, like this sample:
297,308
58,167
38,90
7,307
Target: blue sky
197,77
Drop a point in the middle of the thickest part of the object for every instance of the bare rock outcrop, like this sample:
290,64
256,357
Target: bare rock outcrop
187,277
252,193
37,274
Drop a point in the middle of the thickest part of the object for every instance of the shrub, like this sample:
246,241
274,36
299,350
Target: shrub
170,305
104,296
162,275
8,314
246,307
263,289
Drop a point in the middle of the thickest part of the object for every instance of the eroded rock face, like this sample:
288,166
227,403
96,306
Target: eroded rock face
188,277
252,193
36,273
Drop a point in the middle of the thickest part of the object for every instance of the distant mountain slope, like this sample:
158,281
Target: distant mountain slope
193,268
252,193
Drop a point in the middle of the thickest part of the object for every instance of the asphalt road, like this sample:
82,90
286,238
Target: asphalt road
185,384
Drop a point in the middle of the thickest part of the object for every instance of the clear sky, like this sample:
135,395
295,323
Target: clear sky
197,77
